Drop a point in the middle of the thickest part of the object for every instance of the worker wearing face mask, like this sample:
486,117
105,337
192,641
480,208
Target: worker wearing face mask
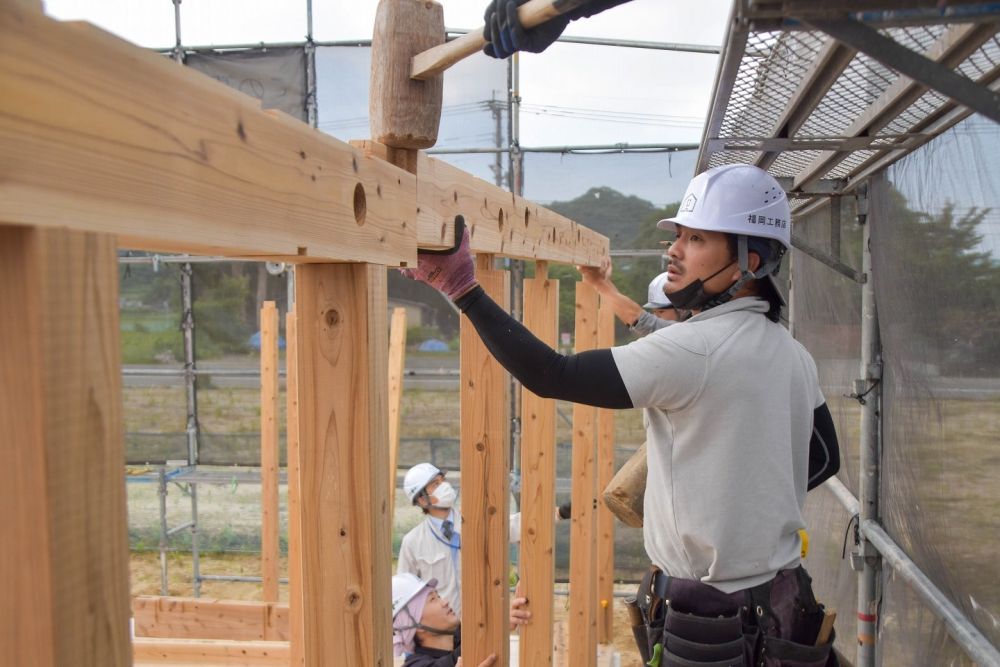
432,548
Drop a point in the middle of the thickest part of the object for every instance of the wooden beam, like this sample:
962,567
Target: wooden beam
172,160
296,637
208,652
583,530
499,223
343,447
205,618
64,556
485,467
397,353
269,544
538,480
605,471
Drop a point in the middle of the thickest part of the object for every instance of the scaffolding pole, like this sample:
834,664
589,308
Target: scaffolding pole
191,391
868,392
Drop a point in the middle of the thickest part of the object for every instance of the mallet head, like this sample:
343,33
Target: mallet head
405,112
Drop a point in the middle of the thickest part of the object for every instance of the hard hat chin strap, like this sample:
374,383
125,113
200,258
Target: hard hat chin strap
746,275
416,625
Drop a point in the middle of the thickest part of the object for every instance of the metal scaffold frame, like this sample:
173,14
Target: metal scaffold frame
826,96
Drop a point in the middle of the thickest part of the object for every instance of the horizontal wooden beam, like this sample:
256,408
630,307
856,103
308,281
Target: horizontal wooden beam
500,223
100,135
170,160
208,652
205,618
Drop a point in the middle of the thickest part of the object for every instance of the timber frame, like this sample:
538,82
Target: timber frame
105,145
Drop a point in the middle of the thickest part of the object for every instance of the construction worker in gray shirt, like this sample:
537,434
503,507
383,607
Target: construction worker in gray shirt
732,403
640,320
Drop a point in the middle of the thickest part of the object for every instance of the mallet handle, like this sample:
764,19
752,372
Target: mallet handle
433,61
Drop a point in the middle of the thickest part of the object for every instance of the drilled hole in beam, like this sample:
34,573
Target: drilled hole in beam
360,204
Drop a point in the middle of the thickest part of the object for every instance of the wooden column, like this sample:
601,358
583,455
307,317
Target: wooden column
485,486
538,479
605,471
583,531
397,354
295,612
343,446
64,555
269,545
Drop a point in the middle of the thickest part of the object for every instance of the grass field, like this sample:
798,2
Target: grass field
940,496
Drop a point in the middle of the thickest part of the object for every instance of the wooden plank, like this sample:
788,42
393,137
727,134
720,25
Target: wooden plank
583,529
295,612
269,546
64,556
161,652
605,471
397,353
485,428
499,222
343,447
538,480
206,618
172,160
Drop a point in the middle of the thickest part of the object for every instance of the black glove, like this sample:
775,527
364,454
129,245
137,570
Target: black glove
565,511
505,35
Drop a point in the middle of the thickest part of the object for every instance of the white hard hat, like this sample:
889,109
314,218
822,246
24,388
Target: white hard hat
657,297
418,477
405,587
735,199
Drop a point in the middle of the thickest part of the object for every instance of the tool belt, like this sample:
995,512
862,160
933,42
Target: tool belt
687,623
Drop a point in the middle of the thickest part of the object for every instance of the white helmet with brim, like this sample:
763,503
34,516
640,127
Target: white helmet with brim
738,199
657,297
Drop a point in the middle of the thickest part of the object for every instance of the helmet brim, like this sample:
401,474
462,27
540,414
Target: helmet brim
658,306
669,224
430,584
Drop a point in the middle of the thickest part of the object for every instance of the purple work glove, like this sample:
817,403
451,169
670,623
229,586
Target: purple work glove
453,273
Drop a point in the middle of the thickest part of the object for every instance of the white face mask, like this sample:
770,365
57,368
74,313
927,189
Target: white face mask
445,495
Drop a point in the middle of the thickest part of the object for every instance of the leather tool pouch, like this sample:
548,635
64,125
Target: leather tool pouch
690,640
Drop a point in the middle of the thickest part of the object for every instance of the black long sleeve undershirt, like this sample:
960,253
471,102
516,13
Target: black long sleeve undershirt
824,450
590,377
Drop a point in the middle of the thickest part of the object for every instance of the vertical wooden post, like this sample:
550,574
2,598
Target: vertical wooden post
485,486
583,531
295,612
605,471
538,479
343,446
269,546
397,353
64,556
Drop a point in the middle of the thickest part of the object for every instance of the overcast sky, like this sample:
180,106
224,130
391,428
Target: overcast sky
572,94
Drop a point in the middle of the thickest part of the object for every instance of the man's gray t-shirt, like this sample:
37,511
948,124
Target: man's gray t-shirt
729,399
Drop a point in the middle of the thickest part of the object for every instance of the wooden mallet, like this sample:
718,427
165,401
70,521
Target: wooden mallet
409,54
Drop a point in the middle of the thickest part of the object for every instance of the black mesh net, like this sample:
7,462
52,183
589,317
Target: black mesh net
935,242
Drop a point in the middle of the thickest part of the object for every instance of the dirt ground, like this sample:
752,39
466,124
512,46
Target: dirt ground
145,568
